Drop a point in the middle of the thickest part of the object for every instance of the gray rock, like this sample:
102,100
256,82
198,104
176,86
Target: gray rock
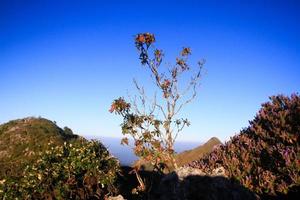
188,183
184,172
220,171
119,197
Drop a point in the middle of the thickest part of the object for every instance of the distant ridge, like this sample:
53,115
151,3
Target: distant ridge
186,157
22,140
198,152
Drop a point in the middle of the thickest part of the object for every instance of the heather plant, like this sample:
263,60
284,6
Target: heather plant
76,170
264,157
155,130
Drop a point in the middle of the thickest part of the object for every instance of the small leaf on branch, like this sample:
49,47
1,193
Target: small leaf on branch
186,51
124,141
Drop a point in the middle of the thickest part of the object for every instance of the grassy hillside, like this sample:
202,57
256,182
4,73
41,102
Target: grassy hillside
197,153
22,140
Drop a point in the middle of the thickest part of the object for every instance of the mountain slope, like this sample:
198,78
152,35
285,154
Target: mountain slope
22,140
198,152
265,156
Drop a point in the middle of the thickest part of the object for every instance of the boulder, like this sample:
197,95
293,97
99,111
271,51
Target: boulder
119,197
187,183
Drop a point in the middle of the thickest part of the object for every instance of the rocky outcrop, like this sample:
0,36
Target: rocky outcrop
119,197
188,183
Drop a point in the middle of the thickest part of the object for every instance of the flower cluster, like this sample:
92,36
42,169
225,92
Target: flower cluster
183,65
166,84
142,42
186,51
119,106
145,38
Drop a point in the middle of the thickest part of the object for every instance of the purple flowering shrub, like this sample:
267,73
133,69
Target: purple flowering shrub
264,157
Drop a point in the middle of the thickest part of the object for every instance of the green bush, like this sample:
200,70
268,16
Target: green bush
265,157
76,170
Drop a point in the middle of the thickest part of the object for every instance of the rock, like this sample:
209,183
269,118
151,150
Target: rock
220,171
183,172
119,197
189,183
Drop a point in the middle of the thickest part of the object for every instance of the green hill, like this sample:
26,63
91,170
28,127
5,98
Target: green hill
22,140
197,153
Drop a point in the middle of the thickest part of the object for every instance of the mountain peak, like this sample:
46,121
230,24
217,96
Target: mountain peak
196,153
214,140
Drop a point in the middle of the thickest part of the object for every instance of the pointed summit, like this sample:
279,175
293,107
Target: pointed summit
198,152
213,140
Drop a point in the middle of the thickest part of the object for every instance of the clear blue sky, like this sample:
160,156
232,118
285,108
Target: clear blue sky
67,60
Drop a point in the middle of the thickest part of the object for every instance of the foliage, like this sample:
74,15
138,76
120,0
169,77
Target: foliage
68,131
76,170
22,139
154,130
265,157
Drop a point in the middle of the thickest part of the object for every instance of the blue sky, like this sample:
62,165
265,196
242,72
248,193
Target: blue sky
67,60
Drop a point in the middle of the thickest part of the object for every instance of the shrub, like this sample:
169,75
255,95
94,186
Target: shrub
265,157
22,140
153,125
155,130
76,170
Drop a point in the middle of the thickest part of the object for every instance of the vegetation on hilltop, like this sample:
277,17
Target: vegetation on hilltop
52,163
22,140
264,157
77,170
